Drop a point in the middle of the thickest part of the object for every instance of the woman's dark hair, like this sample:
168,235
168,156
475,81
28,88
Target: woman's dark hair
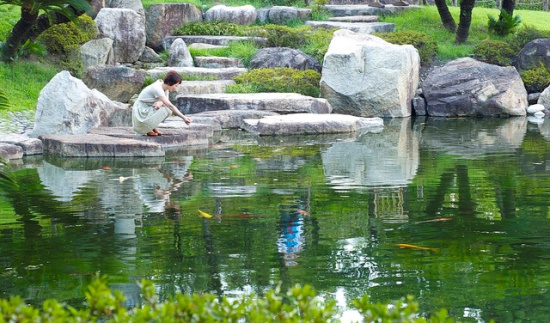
171,78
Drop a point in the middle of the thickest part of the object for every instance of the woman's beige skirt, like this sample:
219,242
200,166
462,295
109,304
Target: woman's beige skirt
145,119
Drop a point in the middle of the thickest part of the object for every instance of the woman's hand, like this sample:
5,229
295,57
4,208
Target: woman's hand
157,105
187,120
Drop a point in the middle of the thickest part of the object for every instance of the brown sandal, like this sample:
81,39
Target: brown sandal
157,132
152,134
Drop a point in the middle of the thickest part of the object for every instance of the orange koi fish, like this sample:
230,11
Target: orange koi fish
106,168
411,246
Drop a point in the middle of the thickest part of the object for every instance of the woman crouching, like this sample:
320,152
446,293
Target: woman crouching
153,106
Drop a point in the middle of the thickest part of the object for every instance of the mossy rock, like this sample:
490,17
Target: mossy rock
281,80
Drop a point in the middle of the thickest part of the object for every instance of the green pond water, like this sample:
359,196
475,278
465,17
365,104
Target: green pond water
328,211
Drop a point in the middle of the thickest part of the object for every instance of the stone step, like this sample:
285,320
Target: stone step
200,87
276,102
217,62
212,40
198,72
357,10
358,27
362,18
312,124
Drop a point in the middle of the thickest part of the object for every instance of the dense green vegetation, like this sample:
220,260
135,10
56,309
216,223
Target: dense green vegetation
299,304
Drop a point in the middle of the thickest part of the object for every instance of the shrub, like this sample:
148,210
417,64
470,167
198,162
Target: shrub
281,80
218,28
525,35
504,24
63,38
537,79
494,52
319,11
298,304
425,45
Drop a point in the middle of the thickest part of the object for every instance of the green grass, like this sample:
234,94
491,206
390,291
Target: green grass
22,82
428,21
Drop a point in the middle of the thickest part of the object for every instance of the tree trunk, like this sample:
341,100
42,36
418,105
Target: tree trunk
18,35
466,7
508,6
445,14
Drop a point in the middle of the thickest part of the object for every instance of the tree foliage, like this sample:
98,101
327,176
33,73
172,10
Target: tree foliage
36,17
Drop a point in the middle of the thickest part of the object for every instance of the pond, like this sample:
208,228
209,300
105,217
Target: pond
336,212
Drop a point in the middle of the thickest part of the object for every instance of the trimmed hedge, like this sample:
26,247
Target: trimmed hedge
281,80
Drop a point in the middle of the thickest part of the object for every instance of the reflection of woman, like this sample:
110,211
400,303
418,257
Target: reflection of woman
153,106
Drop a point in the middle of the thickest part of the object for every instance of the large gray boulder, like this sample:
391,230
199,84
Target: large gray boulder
179,54
534,53
283,103
118,83
544,98
67,106
97,52
127,30
163,19
242,15
366,76
135,5
280,15
466,87
199,72
284,57
311,124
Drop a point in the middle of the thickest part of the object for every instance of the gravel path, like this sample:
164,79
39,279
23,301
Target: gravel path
16,122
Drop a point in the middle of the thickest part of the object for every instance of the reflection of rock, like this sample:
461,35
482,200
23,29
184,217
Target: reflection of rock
544,128
386,159
471,138
63,184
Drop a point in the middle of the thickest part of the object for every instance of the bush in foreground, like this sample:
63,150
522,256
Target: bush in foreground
299,304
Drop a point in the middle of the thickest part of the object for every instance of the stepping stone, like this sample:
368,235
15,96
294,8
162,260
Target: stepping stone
356,10
311,124
212,40
232,119
197,72
275,102
362,18
10,151
358,27
200,87
30,146
204,46
185,135
217,62
95,145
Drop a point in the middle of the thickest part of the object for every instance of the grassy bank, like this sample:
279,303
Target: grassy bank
23,79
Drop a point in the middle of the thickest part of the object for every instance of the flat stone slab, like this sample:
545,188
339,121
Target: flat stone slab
358,27
200,87
217,62
362,18
276,102
184,135
357,10
216,73
212,40
232,119
10,151
311,124
30,146
96,145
